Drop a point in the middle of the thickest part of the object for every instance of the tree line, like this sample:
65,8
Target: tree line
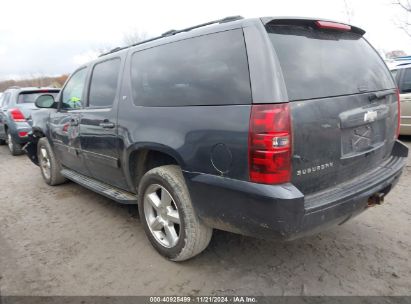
43,81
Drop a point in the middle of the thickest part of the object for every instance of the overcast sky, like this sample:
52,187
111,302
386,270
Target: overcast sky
48,37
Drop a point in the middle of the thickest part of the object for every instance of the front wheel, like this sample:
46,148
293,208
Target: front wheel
49,165
168,216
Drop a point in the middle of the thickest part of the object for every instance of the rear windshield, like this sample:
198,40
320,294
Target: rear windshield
323,63
30,97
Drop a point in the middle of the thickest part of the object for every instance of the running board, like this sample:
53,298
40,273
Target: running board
119,195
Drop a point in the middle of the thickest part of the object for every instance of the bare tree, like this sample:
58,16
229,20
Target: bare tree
134,36
348,11
405,24
101,49
129,38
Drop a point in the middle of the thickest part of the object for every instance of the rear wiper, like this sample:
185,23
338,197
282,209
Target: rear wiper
380,95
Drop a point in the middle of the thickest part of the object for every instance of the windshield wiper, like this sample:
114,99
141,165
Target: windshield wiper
380,95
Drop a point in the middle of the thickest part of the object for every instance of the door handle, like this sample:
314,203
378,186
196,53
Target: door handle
74,122
107,125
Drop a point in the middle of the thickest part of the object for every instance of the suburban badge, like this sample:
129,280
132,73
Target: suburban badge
313,169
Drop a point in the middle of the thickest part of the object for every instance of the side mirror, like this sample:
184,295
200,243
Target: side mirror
45,101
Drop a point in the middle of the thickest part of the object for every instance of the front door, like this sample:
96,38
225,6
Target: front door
98,123
65,123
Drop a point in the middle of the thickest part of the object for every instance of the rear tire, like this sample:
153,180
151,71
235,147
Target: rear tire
168,217
3,142
50,167
14,147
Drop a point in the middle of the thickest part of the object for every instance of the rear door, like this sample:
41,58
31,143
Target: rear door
405,96
65,123
342,99
98,123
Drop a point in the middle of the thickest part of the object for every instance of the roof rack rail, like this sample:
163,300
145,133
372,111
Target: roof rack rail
224,20
173,32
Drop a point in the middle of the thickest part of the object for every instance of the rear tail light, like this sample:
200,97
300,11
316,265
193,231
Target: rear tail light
333,26
16,115
399,113
23,134
269,145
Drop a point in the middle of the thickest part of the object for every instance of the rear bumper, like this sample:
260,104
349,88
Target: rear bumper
405,129
282,211
18,127
405,124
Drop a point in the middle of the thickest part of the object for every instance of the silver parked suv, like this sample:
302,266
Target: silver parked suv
402,75
16,105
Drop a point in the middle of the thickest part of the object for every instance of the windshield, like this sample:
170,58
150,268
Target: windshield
30,97
319,63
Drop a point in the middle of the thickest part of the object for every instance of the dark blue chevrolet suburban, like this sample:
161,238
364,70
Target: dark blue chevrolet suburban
268,127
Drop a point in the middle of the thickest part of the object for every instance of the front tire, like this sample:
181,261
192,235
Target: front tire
50,167
14,148
168,217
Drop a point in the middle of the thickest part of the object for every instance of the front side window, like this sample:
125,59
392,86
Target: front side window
73,91
406,82
103,85
205,70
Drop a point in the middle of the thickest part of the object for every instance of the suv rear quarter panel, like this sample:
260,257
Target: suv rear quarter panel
189,134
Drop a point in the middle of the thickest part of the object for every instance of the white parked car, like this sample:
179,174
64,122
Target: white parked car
402,75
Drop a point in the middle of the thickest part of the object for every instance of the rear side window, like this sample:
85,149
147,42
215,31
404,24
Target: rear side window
320,63
394,74
405,86
30,97
103,85
6,99
205,70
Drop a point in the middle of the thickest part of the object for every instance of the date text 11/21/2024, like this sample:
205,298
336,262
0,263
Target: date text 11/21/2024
203,299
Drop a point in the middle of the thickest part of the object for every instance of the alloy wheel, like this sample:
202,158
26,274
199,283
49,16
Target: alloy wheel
45,162
10,142
162,215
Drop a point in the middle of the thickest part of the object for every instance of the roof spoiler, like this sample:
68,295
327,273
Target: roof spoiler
317,23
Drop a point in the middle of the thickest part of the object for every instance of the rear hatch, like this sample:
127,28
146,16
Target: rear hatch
26,99
343,101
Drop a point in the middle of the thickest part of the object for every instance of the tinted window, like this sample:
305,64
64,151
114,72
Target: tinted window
406,81
30,97
206,70
103,86
317,63
73,91
394,73
6,99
